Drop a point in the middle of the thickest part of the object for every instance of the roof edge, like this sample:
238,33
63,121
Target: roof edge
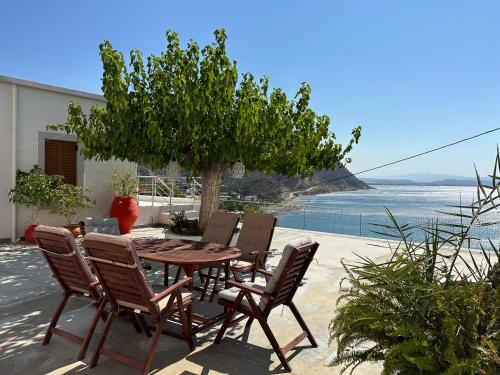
46,87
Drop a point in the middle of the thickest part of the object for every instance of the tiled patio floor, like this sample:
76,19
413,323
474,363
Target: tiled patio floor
29,296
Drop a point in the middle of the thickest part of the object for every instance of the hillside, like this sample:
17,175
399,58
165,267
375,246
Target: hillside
276,187
269,187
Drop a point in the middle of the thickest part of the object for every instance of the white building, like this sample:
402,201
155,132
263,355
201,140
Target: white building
26,108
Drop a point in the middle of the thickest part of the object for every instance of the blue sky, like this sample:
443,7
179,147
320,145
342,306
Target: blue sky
414,74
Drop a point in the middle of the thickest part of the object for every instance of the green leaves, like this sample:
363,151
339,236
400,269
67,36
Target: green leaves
34,188
69,201
190,104
434,306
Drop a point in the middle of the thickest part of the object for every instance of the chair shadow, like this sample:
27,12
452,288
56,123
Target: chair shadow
232,356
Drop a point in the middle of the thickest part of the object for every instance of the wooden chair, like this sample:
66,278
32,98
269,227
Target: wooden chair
59,249
220,230
254,241
126,287
256,302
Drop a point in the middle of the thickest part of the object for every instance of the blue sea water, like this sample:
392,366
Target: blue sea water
358,212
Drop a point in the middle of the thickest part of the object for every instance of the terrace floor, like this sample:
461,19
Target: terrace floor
29,295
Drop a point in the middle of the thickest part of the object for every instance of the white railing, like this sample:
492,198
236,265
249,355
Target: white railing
158,190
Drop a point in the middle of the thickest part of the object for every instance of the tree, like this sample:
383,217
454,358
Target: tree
189,105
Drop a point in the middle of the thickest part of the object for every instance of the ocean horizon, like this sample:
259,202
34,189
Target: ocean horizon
361,212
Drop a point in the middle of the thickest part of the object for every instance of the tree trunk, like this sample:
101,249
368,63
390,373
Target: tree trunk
211,180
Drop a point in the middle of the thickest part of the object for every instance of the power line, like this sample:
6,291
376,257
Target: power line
393,162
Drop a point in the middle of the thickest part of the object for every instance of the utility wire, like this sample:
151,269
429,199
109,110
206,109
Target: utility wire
392,162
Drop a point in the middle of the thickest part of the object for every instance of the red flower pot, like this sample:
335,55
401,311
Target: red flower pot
28,233
125,209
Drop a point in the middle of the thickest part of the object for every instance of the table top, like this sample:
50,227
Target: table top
184,252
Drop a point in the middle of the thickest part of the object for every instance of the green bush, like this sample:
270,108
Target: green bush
433,307
124,182
182,225
69,200
34,189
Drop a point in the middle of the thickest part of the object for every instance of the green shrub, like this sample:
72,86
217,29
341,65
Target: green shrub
184,226
34,189
124,182
433,307
69,200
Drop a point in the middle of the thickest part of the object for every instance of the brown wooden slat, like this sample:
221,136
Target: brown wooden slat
63,261
116,285
67,335
74,280
292,344
112,269
108,254
122,358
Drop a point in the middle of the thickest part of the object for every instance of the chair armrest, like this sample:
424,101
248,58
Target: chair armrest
94,284
264,272
248,288
171,289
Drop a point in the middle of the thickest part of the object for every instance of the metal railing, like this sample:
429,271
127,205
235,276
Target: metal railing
158,190
362,222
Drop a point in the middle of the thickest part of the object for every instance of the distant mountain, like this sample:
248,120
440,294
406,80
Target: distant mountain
426,177
276,186
445,182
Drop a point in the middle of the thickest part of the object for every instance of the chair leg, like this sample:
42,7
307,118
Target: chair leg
302,324
254,271
186,325
229,317
274,343
249,322
225,325
207,283
144,324
214,290
178,274
91,329
55,318
135,321
154,344
165,274
104,334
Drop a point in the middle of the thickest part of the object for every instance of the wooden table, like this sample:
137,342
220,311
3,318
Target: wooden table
191,256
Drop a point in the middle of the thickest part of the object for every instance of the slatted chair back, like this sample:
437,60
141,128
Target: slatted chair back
120,272
256,235
65,260
220,228
288,276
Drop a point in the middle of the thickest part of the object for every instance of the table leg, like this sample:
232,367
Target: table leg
165,275
189,270
226,271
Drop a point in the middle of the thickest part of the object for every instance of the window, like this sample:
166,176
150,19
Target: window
60,158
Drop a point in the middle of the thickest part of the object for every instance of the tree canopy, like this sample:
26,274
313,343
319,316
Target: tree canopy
190,105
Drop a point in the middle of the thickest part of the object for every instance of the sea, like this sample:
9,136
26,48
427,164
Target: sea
365,212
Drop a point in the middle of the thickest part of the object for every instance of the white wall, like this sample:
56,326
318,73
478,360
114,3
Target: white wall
36,108
5,158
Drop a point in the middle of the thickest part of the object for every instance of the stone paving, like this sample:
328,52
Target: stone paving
29,296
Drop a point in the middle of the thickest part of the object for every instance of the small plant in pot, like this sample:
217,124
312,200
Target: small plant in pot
184,226
69,201
34,190
124,206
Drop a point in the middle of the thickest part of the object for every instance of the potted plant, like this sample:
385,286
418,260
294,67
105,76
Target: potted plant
34,189
124,206
69,200
181,225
